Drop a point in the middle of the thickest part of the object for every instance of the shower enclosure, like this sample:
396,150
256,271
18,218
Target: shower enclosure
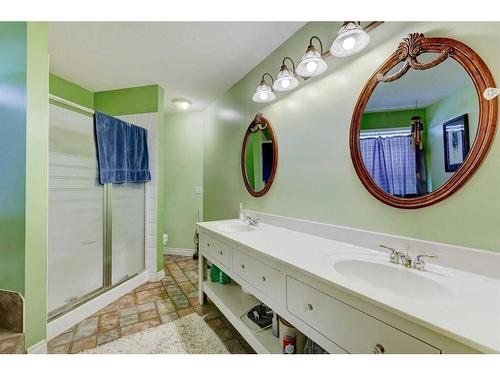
96,232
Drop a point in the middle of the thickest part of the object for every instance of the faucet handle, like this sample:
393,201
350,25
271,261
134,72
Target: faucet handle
395,256
419,263
393,251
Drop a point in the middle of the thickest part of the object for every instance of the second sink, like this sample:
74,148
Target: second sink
235,228
395,279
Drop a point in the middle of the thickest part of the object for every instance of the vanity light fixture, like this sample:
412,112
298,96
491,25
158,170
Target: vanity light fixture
264,93
181,104
286,80
491,93
350,40
312,64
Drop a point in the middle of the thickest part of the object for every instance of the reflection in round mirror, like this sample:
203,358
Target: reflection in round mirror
416,131
259,156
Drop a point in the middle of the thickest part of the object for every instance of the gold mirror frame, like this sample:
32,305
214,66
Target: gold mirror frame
408,51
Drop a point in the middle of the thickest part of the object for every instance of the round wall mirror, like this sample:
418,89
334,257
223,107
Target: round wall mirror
259,156
421,126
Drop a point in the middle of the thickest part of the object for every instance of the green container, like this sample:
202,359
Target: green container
214,273
223,278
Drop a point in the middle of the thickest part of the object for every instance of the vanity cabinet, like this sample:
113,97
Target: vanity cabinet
354,330
266,279
337,320
220,252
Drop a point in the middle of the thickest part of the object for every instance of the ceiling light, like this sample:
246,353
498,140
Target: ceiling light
350,39
285,80
264,93
181,104
491,93
312,64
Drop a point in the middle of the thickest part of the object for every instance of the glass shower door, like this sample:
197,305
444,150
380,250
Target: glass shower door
96,232
128,221
76,211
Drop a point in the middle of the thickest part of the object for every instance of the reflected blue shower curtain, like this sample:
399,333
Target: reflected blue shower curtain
391,163
122,150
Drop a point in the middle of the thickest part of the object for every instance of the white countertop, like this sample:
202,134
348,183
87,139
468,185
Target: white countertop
470,313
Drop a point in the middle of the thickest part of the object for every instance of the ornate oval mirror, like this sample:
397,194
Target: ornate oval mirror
259,156
421,126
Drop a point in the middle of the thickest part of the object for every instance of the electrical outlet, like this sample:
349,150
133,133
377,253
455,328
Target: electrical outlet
198,189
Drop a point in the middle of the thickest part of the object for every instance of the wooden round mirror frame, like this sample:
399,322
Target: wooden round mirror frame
259,123
408,51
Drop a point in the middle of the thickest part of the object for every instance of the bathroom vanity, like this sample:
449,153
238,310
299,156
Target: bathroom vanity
344,294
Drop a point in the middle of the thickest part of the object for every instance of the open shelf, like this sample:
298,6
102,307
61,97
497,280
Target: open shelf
234,304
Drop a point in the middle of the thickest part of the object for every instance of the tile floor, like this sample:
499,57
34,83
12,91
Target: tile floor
150,305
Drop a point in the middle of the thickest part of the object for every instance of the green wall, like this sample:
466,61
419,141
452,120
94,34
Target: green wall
391,119
160,187
37,176
183,167
70,91
315,178
13,68
249,162
24,82
128,101
461,102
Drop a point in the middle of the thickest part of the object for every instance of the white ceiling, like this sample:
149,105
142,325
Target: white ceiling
197,61
422,86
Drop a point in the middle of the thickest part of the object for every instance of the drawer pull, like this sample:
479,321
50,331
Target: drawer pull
308,307
263,278
378,349
243,266
220,252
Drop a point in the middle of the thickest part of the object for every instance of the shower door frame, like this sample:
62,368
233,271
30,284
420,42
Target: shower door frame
107,240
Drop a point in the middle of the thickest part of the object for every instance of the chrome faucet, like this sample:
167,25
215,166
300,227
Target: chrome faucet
253,221
395,256
419,264
398,257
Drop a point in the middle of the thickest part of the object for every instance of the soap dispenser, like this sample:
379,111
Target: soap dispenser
242,215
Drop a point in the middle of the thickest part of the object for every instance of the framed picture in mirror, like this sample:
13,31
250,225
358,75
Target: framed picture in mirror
456,142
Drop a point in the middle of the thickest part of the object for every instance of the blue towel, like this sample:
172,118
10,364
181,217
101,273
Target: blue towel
122,150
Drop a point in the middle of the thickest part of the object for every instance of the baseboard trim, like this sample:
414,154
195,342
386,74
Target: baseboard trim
178,251
82,312
156,276
40,348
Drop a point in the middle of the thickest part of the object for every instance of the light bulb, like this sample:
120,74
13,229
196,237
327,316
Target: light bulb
285,83
349,43
263,95
311,66
181,104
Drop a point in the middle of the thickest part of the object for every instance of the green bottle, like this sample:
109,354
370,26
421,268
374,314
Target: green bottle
223,278
214,273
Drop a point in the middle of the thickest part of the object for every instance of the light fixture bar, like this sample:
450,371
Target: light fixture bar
367,28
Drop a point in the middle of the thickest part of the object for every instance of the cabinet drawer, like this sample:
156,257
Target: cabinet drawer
268,280
353,330
218,250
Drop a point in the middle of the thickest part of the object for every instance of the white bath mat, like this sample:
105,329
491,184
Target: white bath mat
188,335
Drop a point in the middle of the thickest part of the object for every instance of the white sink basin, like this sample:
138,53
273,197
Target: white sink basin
235,228
396,279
